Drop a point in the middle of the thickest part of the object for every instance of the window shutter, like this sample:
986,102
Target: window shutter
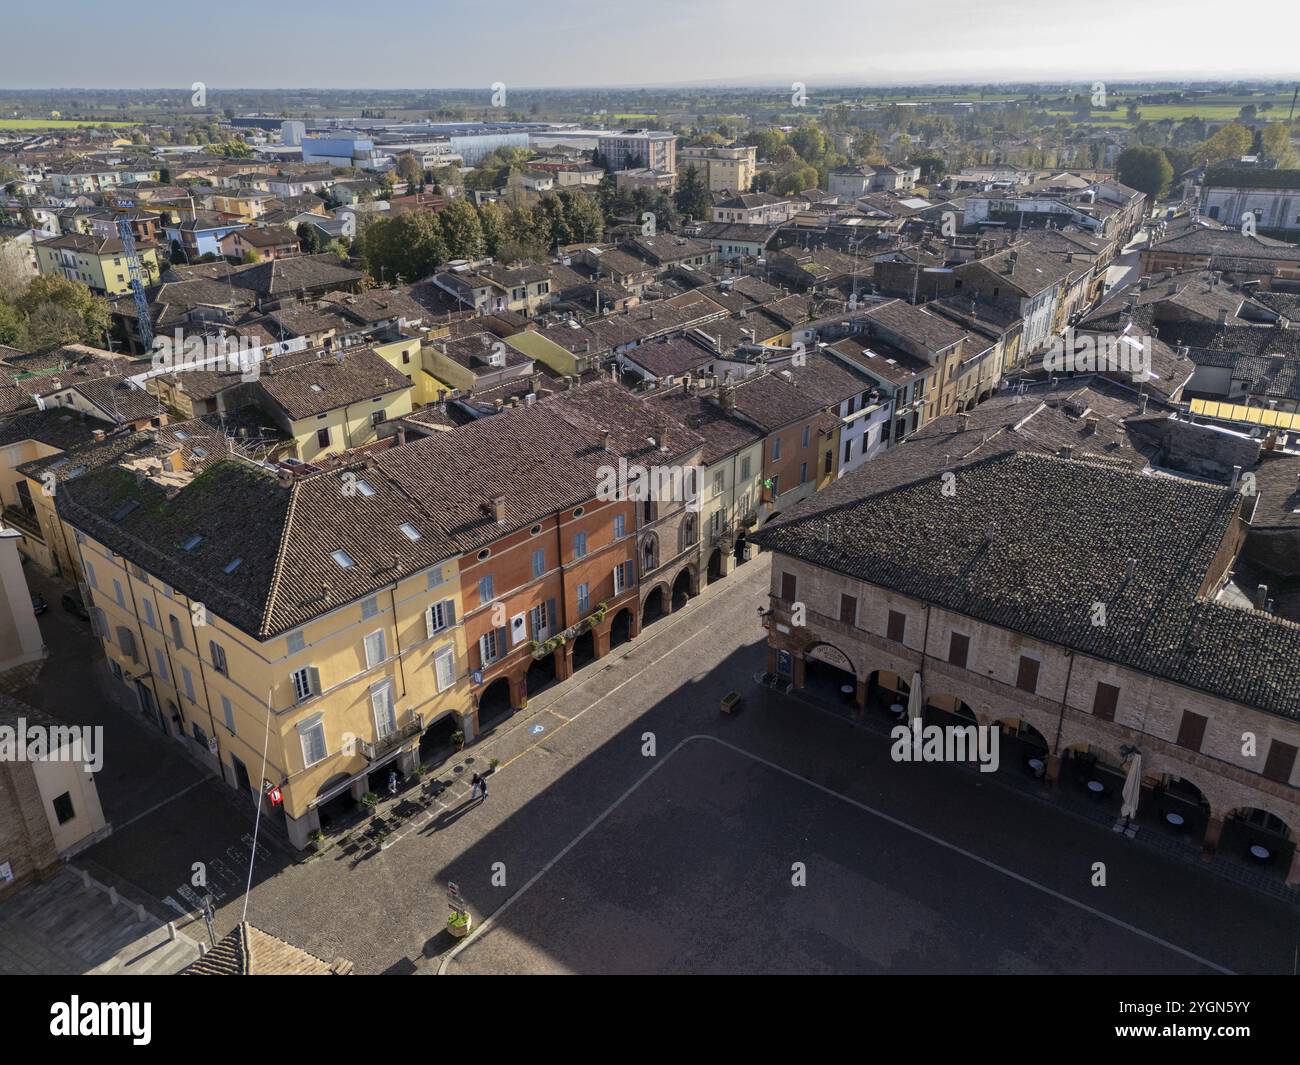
897,626
313,679
1281,760
448,613
552,619
503,641
428,620
1191,731
789,587
958,649
1105,701
1027,678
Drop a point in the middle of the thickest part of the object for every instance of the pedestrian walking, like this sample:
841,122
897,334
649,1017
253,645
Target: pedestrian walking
474,783
392,782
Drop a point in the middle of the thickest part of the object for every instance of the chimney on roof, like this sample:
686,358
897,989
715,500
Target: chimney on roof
1144,283
727,396
1261,597
661,432
499,509
1090,426
604,439
1142,403
1223,316
401,435
1067,452
1236,476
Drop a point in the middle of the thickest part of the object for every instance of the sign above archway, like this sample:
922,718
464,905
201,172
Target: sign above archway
832,656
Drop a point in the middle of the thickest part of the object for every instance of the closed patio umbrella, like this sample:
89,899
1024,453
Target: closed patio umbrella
1132,787
915,700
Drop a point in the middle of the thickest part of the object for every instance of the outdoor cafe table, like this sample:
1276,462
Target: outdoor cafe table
1259,852
1174,819
1096,787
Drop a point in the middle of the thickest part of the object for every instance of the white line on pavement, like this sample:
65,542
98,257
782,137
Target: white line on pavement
1010,874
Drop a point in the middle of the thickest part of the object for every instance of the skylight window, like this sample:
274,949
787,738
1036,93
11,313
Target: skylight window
316,388
365,489
192,542
233,565
343,559
181,434
409,531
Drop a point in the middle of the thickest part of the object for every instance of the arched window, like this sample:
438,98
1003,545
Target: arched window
649,553
690,531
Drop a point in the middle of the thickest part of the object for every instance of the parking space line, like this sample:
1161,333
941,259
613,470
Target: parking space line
922,833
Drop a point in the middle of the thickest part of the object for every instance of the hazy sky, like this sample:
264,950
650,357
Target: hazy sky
458,43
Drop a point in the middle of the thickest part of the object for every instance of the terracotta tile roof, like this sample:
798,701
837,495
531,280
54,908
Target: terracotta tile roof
248,951
1030,543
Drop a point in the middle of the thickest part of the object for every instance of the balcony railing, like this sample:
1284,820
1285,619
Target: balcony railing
373,751
24,521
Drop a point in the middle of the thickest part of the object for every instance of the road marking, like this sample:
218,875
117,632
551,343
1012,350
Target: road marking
987,863
159,805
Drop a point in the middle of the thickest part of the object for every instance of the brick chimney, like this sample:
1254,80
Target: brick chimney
499,509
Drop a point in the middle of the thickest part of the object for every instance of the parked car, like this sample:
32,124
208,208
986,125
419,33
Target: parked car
39,605
73,605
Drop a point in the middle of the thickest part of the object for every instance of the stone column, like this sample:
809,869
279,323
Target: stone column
564,661
519,691
1293,874
860,697
600,640
1052,774
799,669
1213,830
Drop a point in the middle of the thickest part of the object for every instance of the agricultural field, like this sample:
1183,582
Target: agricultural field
56,123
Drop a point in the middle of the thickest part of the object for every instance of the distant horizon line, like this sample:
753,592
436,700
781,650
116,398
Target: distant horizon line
828,82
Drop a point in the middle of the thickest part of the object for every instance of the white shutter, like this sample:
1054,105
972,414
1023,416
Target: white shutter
381,699
444,664
375,649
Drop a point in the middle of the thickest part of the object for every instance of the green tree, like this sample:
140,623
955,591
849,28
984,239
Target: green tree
1145,169
1276,141
693,199
409,170
462,230
1229,143
932,167
308,238
409,245
13,327
60,311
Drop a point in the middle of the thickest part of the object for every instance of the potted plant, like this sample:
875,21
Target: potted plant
318,840
492,764
731,702
370,800
459,923
458,739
